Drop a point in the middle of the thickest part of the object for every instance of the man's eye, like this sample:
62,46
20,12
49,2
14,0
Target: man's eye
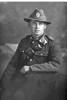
33,22
40,23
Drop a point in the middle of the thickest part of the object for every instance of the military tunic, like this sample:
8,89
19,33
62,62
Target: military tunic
40,82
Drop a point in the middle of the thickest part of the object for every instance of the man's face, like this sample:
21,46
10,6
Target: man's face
37,28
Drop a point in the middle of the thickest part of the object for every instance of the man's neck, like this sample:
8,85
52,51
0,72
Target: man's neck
38,38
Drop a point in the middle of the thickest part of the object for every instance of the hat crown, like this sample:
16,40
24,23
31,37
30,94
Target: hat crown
38,14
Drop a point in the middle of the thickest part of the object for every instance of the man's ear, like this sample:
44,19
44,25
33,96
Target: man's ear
45,27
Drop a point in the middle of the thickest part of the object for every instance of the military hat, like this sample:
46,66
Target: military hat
37,15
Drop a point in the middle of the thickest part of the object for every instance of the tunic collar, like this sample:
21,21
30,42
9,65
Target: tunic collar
43,40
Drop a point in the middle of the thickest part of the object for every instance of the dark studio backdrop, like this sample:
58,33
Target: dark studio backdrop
13,28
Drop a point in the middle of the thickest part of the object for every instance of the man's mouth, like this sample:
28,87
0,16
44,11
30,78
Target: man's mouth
37,30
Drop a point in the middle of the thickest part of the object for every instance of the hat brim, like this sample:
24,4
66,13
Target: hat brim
31,19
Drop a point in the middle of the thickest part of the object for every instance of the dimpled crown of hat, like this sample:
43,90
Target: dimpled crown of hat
37,15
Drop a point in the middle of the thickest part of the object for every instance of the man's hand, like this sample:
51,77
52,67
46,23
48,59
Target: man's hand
25,69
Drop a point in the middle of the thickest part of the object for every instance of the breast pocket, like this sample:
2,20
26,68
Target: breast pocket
43,52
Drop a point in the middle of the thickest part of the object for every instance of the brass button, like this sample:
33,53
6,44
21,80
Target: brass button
23,51
30,60
41,54
32,41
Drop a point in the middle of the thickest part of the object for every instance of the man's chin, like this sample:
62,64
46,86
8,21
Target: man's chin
36,37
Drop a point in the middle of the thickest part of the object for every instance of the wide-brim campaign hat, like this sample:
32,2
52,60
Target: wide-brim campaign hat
37,15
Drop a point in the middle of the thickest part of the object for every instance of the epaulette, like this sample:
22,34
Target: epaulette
51,38
28,36
23,40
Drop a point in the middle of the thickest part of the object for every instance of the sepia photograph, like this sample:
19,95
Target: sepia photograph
33,50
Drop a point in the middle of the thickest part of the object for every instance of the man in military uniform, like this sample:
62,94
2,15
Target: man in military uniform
32,70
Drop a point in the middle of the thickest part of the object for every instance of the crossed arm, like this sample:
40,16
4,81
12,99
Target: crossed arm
54,63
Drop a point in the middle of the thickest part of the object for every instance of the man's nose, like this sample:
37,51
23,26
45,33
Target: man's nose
37,25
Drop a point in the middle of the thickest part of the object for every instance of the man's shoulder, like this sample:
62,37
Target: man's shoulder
50,39
26,37
24,40
53,43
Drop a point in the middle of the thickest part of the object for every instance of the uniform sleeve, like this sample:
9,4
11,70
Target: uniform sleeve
13,65
54,63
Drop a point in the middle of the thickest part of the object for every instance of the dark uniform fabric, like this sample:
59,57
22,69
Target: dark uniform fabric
44,77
